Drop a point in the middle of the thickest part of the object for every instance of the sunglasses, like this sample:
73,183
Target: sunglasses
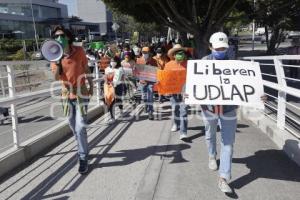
59,35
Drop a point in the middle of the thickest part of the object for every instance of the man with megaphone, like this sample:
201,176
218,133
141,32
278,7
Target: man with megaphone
72,70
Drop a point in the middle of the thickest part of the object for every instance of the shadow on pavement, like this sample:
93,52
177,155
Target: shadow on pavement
43,187
172,152
269,164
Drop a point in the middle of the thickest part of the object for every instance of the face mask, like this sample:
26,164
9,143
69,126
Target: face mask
146,56
219,55
113,64
179,57
63,41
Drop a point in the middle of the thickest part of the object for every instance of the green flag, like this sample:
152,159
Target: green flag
97,45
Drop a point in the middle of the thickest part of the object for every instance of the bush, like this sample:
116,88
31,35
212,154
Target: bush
12,49
19,55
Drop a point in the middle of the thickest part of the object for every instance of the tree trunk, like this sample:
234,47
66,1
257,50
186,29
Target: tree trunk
201,46
273,41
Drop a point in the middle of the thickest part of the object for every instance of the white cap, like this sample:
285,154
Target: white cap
219,40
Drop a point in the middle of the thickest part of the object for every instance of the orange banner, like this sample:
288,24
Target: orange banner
171,81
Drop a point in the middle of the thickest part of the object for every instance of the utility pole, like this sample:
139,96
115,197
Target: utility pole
253,27
34,28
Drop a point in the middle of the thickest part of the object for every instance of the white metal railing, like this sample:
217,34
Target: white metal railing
282,87
14,98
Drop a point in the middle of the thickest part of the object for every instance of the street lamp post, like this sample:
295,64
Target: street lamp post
34,28
253,27
115,27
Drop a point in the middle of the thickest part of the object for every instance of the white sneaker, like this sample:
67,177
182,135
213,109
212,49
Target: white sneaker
224,187
111,121
182,136
212,163
174,128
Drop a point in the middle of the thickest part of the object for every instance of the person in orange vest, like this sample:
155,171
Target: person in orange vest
178,61
147,87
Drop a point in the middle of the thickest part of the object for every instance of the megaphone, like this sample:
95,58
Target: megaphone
52,50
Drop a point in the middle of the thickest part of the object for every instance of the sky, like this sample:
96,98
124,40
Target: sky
72,6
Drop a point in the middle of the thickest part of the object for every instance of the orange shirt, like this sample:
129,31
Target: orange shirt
74,68
161,62
171,65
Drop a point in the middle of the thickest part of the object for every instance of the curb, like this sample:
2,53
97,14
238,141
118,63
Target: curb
13,158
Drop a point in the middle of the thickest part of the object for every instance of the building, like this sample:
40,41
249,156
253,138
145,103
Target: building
16,17
95,16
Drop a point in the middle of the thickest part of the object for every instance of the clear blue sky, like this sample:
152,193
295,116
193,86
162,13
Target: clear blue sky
72,6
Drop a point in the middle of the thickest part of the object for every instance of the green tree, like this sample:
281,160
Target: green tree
275,15
129,25
198,17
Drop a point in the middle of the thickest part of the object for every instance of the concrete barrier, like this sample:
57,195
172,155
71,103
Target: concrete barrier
282,138
14,158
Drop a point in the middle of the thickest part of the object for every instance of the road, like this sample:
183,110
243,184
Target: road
34,117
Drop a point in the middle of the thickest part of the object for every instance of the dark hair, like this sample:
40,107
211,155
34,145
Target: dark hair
117,60
67,32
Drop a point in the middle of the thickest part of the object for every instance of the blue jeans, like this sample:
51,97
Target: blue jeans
147,90
179,110
77,123
228,123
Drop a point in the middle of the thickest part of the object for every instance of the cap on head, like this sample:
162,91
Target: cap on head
219,40
145,49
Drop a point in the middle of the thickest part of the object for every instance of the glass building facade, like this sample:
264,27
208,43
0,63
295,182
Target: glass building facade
16,16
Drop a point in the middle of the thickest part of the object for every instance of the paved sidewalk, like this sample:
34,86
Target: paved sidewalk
141,159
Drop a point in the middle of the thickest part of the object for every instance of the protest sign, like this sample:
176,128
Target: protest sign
224,82
171,81
128,71
145,72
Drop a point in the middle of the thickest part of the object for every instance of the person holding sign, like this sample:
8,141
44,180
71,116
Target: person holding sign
225,115
147,86
178,63
128,65
161,60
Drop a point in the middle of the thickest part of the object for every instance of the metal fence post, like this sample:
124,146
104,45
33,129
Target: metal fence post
2,85
13,108
98,85
281,94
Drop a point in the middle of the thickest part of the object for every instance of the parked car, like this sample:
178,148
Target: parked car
293,34
260,31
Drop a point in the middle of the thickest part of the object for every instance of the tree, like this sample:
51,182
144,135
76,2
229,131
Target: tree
275,15
199,17
236,20
129,25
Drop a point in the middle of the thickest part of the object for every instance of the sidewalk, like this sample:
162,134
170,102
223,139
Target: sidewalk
141,159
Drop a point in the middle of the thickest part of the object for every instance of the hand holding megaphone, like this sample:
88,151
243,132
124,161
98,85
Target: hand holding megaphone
53,52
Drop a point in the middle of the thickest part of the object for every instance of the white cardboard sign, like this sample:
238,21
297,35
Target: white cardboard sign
224,82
